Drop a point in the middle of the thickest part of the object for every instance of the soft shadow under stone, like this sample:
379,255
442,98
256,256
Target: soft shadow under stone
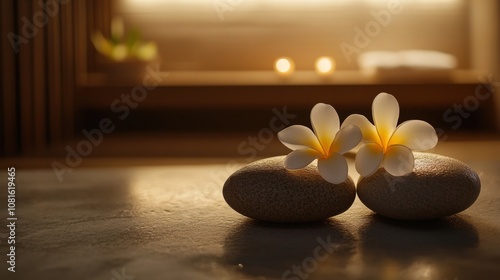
401,238
269,250
410,244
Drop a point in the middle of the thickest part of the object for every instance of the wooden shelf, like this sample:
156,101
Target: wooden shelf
270,78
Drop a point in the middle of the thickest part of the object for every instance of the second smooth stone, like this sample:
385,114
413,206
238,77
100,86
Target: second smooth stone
265,190
439,186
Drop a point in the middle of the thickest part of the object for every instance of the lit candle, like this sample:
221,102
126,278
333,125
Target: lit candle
325,65
284,66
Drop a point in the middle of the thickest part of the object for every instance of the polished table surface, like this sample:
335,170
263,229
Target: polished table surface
170,221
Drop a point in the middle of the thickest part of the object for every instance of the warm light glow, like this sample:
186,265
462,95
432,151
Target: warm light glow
422,270
284,66
325,65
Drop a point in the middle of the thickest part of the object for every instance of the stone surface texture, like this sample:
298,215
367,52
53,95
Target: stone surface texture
439,186
265,190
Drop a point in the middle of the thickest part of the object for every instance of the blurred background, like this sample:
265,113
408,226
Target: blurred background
205,78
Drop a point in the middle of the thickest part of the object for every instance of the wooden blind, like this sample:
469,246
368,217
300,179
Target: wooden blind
37,74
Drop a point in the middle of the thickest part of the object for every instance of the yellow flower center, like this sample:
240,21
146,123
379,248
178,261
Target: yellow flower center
384,136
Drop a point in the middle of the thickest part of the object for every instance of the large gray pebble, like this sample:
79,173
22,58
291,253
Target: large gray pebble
265,190
438,186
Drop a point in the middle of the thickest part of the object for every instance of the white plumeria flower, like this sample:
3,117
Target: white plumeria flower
327,143
387,145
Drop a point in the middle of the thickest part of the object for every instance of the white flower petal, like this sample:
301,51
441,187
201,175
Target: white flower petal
367,128
346,139
398,160
333,169
300,158
368,159
325,122
416,135
298,137
385,111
